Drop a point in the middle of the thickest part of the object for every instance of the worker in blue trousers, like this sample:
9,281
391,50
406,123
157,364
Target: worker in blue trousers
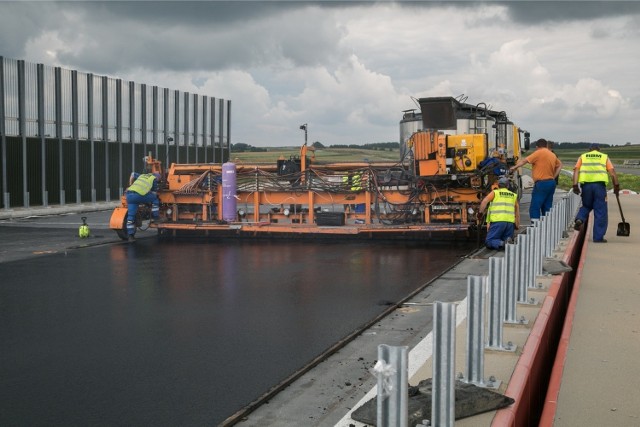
545,168
503,215
142,190
592,172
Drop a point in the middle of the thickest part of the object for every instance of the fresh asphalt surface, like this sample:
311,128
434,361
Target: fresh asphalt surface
101,332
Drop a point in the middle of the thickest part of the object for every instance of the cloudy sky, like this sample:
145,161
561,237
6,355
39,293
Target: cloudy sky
566,71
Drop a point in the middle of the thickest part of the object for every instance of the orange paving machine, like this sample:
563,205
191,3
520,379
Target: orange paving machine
434,189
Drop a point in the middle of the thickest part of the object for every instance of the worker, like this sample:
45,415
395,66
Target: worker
545,169
142,189
592,172
353,181
493,166
503,214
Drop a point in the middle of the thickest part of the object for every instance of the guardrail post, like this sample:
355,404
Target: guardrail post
497,307
443,398
476,296
509,278
496,303
393,392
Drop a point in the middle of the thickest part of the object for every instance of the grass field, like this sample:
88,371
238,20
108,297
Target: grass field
335,155
325,155
618,154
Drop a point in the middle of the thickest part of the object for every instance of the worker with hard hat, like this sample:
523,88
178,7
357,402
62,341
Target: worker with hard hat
503,214
142,190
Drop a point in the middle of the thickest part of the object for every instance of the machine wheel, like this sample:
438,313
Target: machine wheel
122,232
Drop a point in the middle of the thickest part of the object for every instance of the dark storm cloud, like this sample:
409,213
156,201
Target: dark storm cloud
197,13
544,11
531,12
160,44
175,35
168,13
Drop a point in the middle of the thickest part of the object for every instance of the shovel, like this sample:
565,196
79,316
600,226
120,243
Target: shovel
624,228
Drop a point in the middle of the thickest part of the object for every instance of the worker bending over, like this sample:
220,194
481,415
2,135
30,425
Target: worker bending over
503,215
142,189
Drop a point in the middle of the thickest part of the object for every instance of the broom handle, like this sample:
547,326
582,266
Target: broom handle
620,207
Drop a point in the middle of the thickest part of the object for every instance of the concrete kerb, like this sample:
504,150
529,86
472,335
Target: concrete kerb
17,213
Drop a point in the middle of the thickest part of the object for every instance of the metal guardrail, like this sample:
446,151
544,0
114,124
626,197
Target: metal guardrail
507,283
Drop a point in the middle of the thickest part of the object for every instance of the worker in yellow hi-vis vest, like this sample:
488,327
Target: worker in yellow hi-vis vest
592,172
142,189
503,215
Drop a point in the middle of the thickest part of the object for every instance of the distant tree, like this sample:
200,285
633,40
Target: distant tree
318,144
240,147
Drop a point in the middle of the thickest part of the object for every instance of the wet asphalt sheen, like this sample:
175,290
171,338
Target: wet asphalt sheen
184,332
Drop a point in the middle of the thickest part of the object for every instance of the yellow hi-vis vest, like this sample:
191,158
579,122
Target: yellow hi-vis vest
356,181
143,184
503,206
593,167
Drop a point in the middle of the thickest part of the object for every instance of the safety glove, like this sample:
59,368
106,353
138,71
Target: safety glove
576,188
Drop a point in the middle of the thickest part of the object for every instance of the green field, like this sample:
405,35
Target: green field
618,154
324,155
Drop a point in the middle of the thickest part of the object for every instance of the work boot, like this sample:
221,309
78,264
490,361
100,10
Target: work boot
131,238
600,241
577,224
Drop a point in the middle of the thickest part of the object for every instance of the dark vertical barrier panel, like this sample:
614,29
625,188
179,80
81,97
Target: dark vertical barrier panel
52,155
34,171
84,160
15,185
126,164
114,170
139,160
69,172
100,172
172,155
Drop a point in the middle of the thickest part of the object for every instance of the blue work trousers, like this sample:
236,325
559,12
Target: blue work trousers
498,233
133,200
594,197
542,198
